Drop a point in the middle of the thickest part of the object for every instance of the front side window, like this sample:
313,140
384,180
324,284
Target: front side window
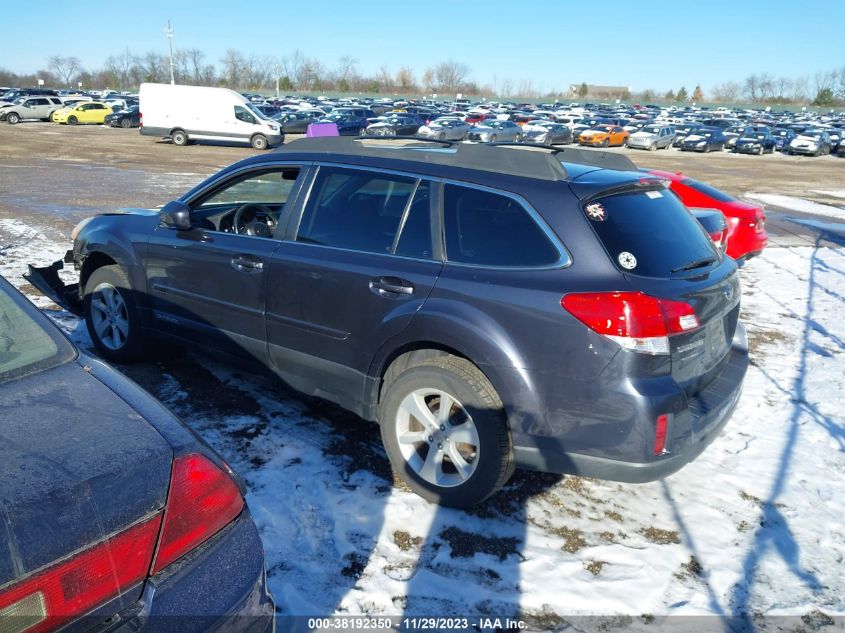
489,229
268,188
242,114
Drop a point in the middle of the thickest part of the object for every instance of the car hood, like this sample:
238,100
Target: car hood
694,137
79,464
646,136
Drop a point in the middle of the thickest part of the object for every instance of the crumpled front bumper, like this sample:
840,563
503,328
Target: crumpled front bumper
47,281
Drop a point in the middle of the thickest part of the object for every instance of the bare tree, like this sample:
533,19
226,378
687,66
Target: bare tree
727,92
405,80
120,68
151,67
751,88
234,65
428,80
506,87
450,75
783,88
67,68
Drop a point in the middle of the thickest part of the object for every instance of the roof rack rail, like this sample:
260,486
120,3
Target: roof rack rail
591,157
490,157
409,139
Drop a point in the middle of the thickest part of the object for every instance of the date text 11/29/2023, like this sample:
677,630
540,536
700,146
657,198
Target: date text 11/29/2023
434,623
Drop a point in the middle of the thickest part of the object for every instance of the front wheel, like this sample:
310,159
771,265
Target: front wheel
259,141
72,120
111,315
605,143
445,432
13,118
652,147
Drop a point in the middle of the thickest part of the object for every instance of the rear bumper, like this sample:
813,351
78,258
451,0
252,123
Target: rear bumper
694,424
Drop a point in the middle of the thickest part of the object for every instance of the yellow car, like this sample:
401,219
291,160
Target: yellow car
86,112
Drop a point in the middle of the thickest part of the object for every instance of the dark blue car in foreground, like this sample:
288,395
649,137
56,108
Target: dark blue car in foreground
115,516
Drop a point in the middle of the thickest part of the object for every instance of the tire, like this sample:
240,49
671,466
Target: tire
52,117
706,149
111,315
605,142
126,123
179,137
13,118
476,414
493,138
259,141
361,132
441,136
72,120
548,140
760,151
652,147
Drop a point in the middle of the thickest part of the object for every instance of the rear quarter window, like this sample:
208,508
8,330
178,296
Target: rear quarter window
648,233
489,229
707,190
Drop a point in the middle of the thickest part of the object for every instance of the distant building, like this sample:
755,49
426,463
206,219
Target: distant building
599,92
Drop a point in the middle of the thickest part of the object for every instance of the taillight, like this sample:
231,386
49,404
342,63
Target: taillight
636,321
661,430
82,582
140,120
720,238
203,499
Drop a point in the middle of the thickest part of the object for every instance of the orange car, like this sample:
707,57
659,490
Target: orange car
603,136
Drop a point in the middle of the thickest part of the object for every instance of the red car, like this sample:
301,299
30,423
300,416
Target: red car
746,222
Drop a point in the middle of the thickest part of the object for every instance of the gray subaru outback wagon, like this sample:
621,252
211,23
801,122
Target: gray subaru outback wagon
491,307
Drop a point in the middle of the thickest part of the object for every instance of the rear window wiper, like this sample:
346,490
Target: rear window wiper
696,263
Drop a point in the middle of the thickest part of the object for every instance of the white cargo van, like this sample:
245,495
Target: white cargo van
201,113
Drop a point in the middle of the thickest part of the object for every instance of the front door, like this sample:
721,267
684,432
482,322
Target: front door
208,284
356,271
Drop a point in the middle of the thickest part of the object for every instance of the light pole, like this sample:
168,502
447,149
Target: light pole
169,32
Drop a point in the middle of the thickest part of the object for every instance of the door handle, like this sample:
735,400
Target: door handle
391,286
246,264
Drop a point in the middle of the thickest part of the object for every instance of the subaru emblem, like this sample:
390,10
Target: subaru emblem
729,291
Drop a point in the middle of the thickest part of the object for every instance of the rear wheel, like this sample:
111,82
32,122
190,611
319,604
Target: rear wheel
72,120
13,118
111,315
179,137
127,122
445,431
259,141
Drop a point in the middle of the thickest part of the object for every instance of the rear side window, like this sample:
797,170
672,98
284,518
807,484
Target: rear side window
707,190
489,229
356,210
649,233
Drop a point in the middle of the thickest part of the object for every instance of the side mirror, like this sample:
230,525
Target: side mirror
176,215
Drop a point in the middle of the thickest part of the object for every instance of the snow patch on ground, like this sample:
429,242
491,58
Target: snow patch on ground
798,204
833,193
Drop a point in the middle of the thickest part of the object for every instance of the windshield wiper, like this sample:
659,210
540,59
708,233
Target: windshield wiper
696,263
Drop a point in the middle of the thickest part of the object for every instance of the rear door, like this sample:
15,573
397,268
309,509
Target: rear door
358,266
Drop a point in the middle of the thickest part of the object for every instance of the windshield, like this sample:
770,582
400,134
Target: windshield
651,130
28,343
258,113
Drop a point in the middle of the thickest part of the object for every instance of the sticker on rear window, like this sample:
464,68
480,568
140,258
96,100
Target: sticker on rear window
596,212
654,194
627,260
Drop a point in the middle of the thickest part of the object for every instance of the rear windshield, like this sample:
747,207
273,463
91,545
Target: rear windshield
649,233
707,190
27,345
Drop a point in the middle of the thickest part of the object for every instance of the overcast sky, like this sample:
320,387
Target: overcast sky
657,44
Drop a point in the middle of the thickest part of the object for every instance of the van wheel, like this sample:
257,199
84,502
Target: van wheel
179,137
445,432
12,118
111,315
259,141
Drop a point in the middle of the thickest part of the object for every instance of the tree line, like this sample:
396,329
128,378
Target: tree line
299,72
